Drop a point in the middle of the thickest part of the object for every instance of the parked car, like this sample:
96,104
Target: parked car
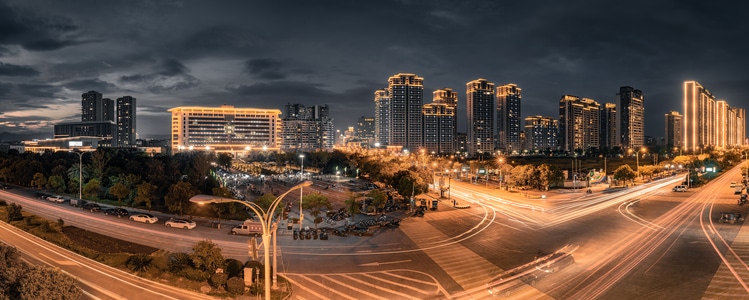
145,218
119,212
180,223
42,196
90,206
56,198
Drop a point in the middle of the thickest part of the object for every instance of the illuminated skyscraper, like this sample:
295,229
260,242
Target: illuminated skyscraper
480,108
439,122
674,130
631,118
508,118
382,117
407,94
699,118
579,123
125,134
608,126
307,128
540,134
365,130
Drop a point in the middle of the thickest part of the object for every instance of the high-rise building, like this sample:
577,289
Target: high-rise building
579,123
674,131
508,118
480,108
608,126
631,118
225,129
96,108
439,129
407,93
125,135
307,128
709,123
382,117
365,130
540,134
450,98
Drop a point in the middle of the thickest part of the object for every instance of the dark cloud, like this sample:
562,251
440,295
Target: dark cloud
98,85
16,70
34,32
265,68
171,75
281,90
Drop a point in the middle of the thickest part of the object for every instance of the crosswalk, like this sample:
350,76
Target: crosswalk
393,284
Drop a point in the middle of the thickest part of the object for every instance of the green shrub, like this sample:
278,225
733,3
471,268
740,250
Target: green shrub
14,212
234,267
179,261
3,203
235,285
139,262
60,222
218,280
45,227
194,274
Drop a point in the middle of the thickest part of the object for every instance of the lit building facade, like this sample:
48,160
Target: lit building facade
225,129
439,129
480,109
674,130
579,123
508,118
365,130
450,98
407,92
125,135
540,134
631,118
709,123
609,138
382,116
307,128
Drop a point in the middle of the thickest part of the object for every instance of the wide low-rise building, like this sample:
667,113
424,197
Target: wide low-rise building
225,129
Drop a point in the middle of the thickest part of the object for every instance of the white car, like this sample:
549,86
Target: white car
145,218
180,223
56,198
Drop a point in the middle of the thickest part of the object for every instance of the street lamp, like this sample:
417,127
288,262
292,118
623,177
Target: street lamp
501,160
80,172
301,210
266,222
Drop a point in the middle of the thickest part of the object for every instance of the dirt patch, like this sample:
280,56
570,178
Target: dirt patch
103,243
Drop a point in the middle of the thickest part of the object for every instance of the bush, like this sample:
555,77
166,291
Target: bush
3,203
255,266
179,261
139,262
14,212
234,267
218,280
194,274
235,285
45,227
60,222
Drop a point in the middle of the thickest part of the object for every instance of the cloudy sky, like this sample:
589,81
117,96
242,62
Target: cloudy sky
268,53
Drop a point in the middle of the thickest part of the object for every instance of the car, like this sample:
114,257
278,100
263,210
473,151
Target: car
56,198
119,212
680,188
42,196
145,218
92,207
180,223
733,184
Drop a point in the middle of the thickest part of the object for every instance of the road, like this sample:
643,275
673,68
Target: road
644,242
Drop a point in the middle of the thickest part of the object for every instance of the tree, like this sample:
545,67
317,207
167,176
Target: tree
224,160
207,256
15,212
99,160
624,172
38,180
56,183
352,206
314,202
5,173
119,191
222,208
91,189
379,198
145,194
178,198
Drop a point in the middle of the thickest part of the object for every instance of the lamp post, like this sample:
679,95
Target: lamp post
301,210
80,172
501,160
266,223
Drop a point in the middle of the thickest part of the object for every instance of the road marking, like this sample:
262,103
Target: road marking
60,262
377,264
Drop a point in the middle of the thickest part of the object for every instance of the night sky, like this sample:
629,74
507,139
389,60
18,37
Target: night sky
266,54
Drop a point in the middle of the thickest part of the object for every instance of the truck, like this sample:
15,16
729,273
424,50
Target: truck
248,227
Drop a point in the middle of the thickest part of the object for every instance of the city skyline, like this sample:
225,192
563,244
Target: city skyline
265,55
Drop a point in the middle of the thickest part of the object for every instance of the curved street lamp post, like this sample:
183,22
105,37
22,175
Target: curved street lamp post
266,222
